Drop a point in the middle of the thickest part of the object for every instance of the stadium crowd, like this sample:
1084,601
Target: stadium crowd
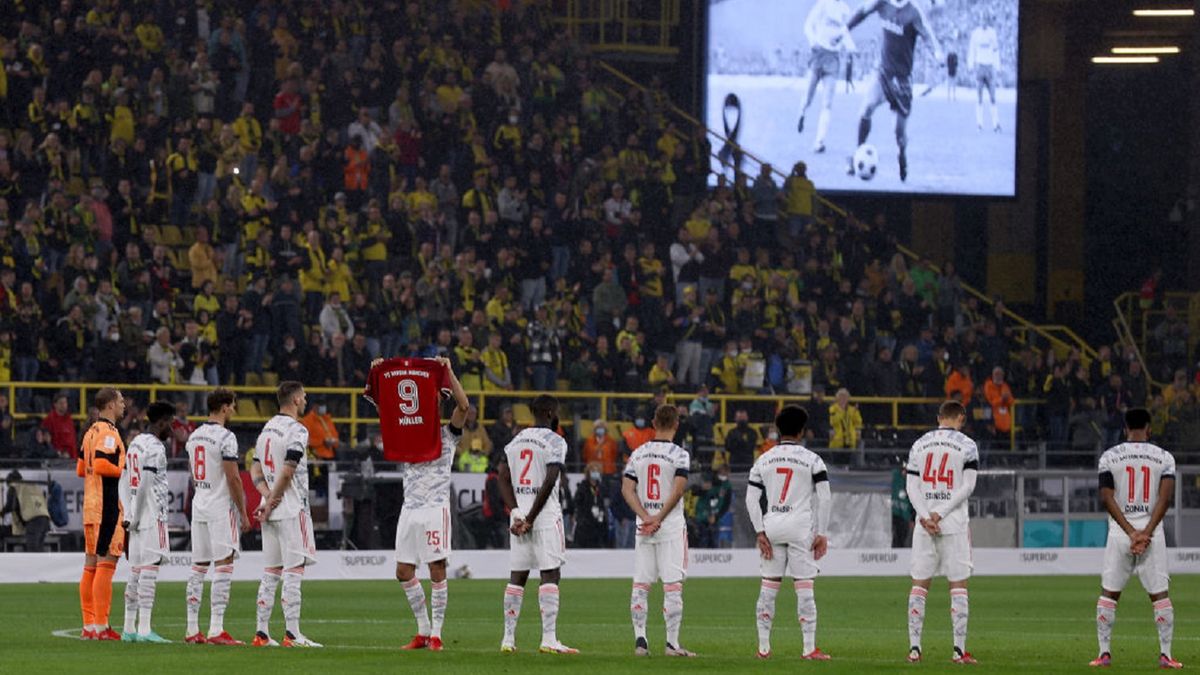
284,190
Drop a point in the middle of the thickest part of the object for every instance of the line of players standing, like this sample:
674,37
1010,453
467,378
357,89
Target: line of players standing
788,500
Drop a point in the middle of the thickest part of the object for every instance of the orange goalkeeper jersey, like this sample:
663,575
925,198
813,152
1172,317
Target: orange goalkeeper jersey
101,461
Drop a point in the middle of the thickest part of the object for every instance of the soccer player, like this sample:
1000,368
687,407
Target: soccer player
1137,485
941,477
101,461
144,488
219,517
280,473
423,531
791,534
530,492
902,21
825,29
983,57
655,479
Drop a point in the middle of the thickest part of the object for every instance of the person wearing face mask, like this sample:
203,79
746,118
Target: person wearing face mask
638,434
591,510
771,441
740,442
601,449
725,370
323,438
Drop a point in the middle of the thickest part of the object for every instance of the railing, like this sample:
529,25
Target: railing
1057,337
611,25
1140,321
256,404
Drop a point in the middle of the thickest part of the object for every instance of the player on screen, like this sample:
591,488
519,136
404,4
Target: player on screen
1137,485
144,489
280,473
983,57
530,471
941,471
219,517
903,21
655,479
825,29
100,464
423,531
791,533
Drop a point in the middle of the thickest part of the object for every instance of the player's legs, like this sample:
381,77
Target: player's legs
406,575
960,609
979,101
514,594
954,553
548,603
902,143
129,633
1153,573
924,566
551,552
202,556
86,582
873,100
299,552
826,112
147,590
815,75
672,568
408,556
645,573
151,547
1118,567
804,570
272,573
218,596
772,577
109,546
991,85
439,595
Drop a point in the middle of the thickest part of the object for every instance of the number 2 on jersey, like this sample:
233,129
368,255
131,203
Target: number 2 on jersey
943,475
1132,473
787,474
653,487
527,457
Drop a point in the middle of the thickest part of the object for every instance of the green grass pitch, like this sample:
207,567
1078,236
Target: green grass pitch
1035,625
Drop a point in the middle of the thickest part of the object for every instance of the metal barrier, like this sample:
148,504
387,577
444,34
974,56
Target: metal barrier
614,25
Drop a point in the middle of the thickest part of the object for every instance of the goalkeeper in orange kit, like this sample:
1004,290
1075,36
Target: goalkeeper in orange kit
101,461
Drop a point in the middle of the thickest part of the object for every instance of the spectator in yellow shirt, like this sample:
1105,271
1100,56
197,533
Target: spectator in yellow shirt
846,420
660,373
498,306
496,375
149,34
203,260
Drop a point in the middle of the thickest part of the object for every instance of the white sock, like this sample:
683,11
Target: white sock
195,592
673,611
266,601
513,595
1106,616
766,613
979,115
131,601
639,603
416,600
822,127
218,596
292,599
147,586
548,603
916,615
438,595
960,611
995,116
1164,619
806,611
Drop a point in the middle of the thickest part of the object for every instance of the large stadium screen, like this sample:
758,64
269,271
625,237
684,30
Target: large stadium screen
889,96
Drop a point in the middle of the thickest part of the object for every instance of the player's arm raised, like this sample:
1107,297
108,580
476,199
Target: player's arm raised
823,505
867,9
459,417
233,478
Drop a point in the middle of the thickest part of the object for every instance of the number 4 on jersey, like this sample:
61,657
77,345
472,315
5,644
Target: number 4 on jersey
943,475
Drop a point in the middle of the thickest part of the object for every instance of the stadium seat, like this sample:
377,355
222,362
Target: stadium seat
585,428
562,385
270,379
268,408
170,235
246,409
253,380
522,415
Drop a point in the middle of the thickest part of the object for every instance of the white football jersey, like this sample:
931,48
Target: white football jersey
208,448
428,484
825,26
939,459
285,436
1136,470
654,466
788,475
984,48
146,474
530,454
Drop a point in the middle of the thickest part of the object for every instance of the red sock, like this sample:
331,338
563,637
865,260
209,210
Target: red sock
102,591
85,596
